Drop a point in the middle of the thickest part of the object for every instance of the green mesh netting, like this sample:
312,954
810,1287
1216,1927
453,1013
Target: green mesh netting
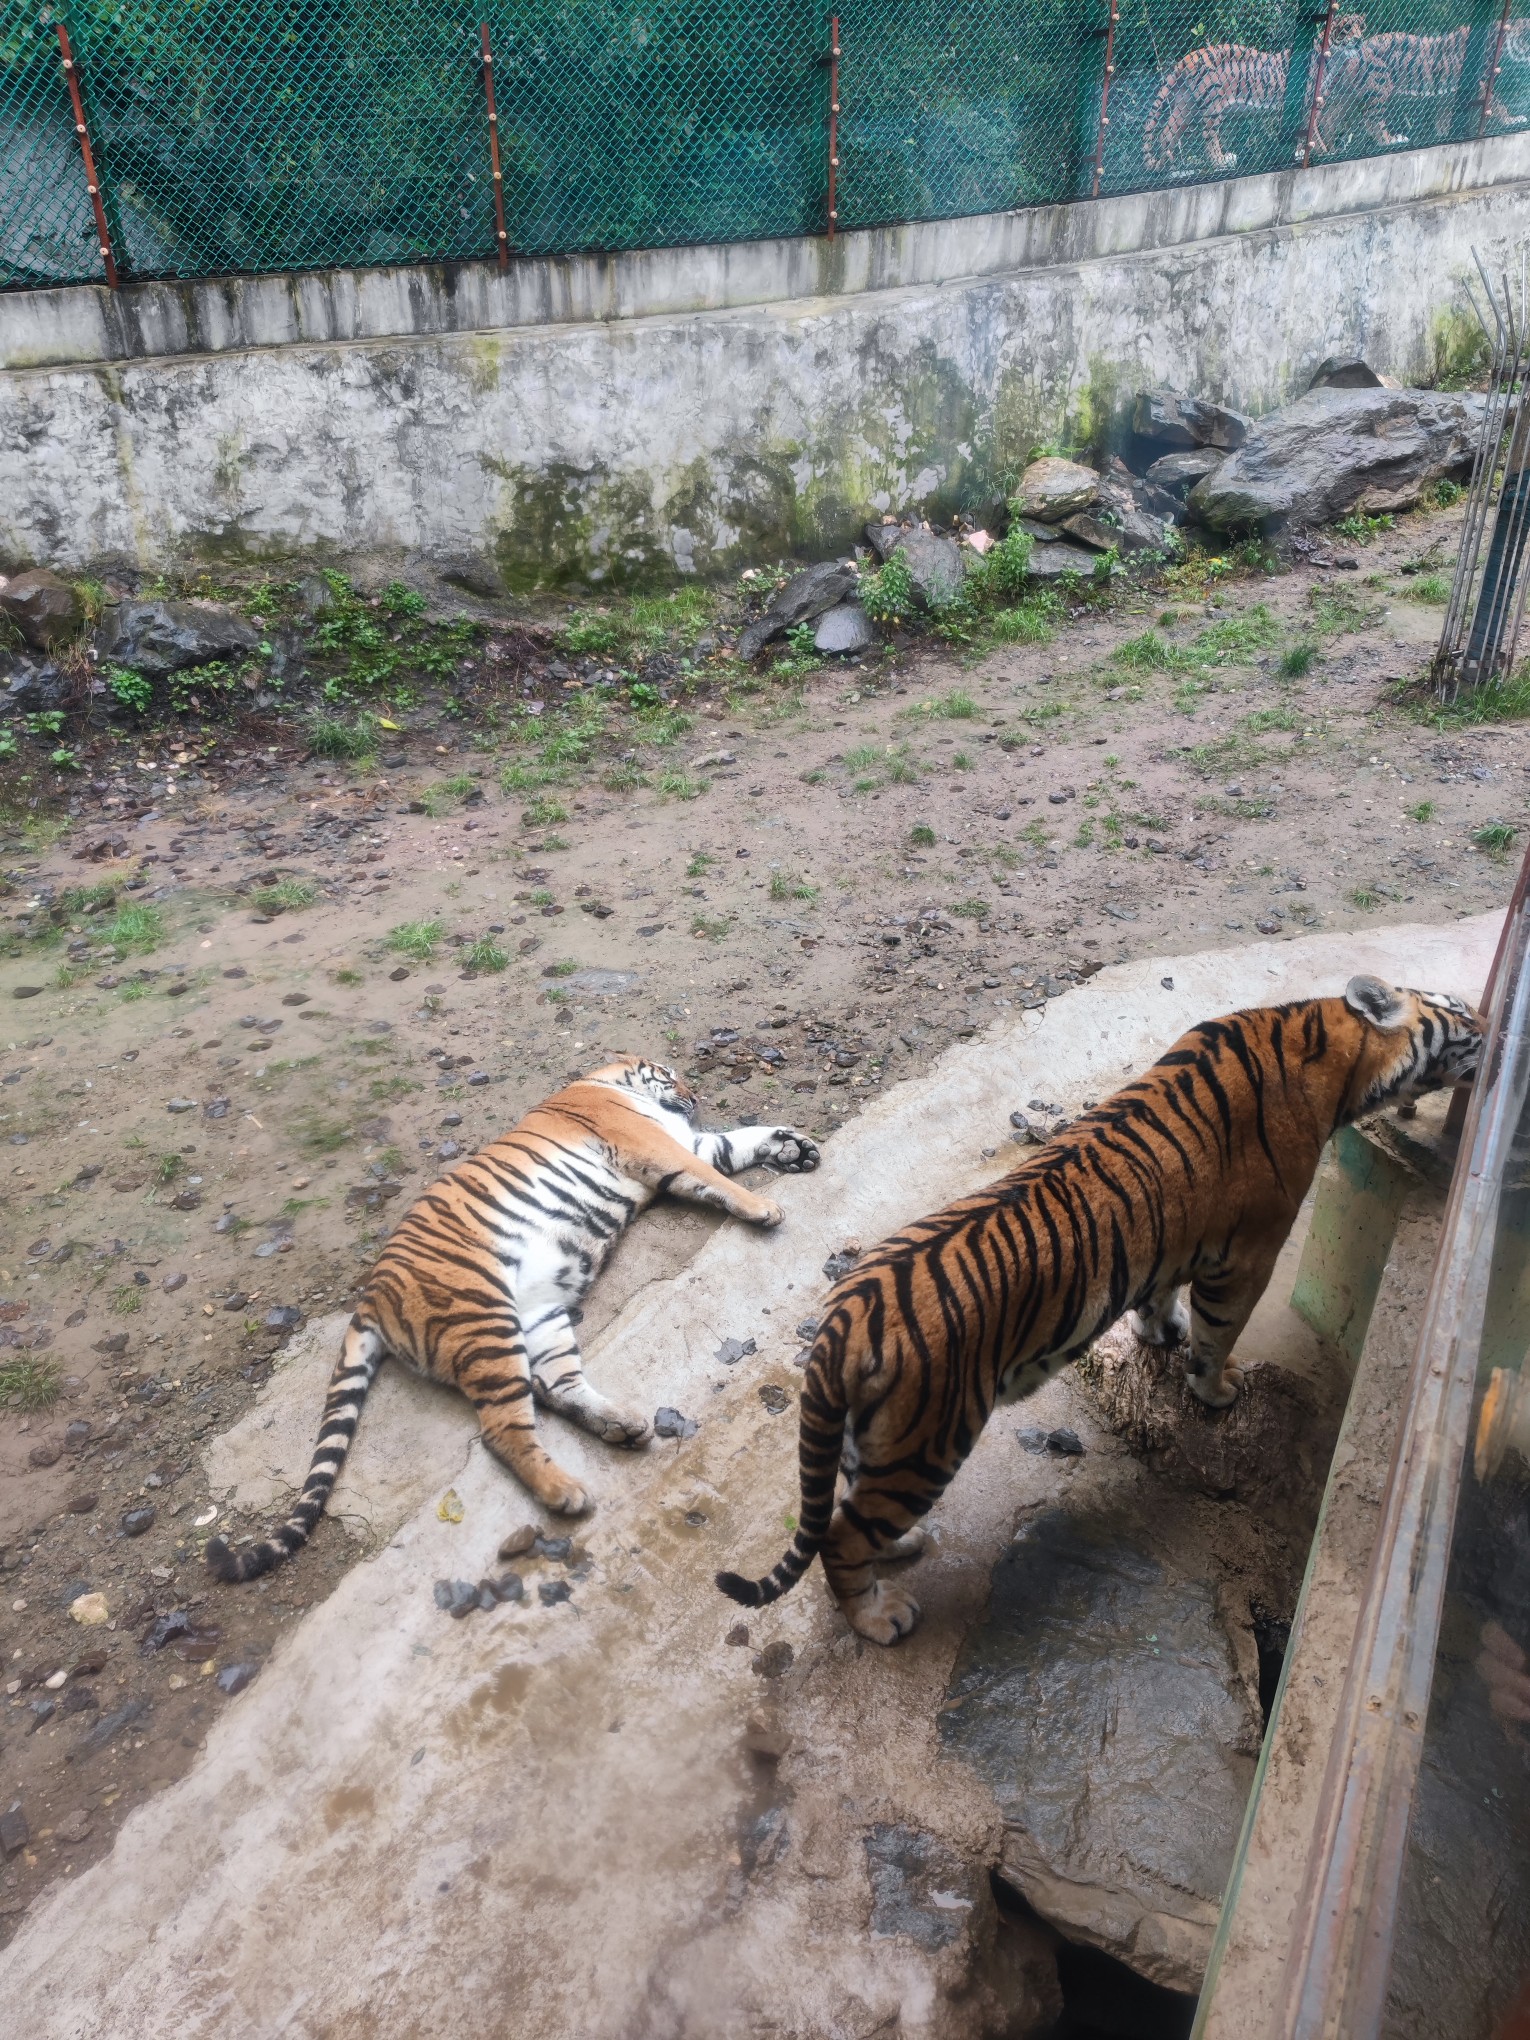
258,135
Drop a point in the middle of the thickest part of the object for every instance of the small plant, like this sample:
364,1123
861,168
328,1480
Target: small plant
135,930
1281,718
887,596
1494,838
1006,567
29,1384
564,967
961,761
131,688
785,886
1149,653
1362,529
127,1300
286,896
1444,494
624,777
329,736
1364,898
701,862
416,939
1296,663
921,836
485,955
1036,833
680,786
1237,638
1336,611
168,1168
709,928
1433,588
958,707
1085,836
346,976
1423,811
971,910
542,813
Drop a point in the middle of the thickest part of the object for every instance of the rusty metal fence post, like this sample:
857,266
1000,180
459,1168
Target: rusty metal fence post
833,207
92,182
1315,103
1494,66
501,238
1105,84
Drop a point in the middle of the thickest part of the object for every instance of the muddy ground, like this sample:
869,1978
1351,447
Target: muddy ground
800,888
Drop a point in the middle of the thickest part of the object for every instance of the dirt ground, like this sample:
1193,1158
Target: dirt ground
835,874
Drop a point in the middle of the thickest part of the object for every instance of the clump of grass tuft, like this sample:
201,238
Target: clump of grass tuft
29,1384
972,910
485,955
564,967
921,836
1150,653
709,928
135,930
127,1300
1298,661
542,813
1423,811
1429,588
168,1168
1364,898
286,896
330,736
416,939
700,862
785,885
1494,838
955,705
680,786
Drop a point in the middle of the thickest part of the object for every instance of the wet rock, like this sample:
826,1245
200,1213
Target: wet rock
156,638
519,1541
136,1521
1031,1438
1052,489
236,1301
508,1587
1178,473
1178,423
840,1262
935,568
551,1592
668,1423
1048,562
845,629
457,1597
41,1711
731,1351
921,1891
1335,451
14,1831
46,610
234,1678
884,538
26,991
48,1453
1348,372
1101,1700
556,1548
177,1628
79,1700
805,596
107,1729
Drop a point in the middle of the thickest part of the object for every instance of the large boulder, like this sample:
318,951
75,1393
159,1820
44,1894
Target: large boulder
1349,372
1052,489
30,684
156,638
845,629
1177,423
46,610
805,596
1177,473
1113,1713
1048,562
935,567
1335,451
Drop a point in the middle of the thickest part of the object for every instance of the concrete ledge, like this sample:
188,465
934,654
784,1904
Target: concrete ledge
89,323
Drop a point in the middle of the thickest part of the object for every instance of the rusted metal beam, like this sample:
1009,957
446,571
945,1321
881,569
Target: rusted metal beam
92,181
1495,65
1315,107
502,239
1105,85
833,125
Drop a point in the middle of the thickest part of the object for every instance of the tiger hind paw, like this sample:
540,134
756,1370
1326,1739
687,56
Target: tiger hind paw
1216,1392
1171,1328
885,1614
791,1152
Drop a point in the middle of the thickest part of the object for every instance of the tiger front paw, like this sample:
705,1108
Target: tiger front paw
885,1614
791,1152
1216,1391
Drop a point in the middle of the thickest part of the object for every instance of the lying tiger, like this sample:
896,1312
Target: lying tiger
480,1283
1192,1174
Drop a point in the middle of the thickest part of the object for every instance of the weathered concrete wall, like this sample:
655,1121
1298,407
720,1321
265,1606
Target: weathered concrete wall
642,417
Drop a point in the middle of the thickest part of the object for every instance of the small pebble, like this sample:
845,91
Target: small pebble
731,1351
137,1521
773,1660
14,1832
48,1453
519,1541
234,1678
282,1317
451,1118
1066,1442
508,1587
739,1633
775,1399
81,1505
1031,1439
79,1700
551,1592
552,1547
89,1609
668,1423
76,1434
235,1302
74,1827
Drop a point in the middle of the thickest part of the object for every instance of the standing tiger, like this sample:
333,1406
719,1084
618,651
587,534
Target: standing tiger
1194,1173
480,1283
1207,86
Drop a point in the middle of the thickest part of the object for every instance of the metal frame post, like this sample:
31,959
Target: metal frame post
833,125
1105,84
1494,66
92,182
1316,105
502,239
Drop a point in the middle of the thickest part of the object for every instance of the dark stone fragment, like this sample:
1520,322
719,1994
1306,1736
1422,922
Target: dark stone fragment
551,1592
282,1317
508,1587
808,1329
839,1264
775,1399
235,1302
48,1453
668,1423
14,1832
738,1634
911,1873
41,1711
168,1628
113,1344
76,1434
136,1521
487,1598
26,991
805,596
773,1660
1068,1443
519,1541
79,1699
398,976
156,638
107,1728
461,1597
171,1283
552,1547
81,1505
234,1678
1031,1439
731,1351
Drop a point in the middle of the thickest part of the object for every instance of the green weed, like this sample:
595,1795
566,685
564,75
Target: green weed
1434,588
887,596
1494,838
710,928
485,955
921,836
785,886
701,862
330,736
416,939
1423,811
30,1383
541,813
136,930
680,786
1364,898
286,896
1296,663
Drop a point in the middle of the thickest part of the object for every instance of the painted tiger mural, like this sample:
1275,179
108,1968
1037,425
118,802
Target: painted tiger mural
480,1283
1192,1174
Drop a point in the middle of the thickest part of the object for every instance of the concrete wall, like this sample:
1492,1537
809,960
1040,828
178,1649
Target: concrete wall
638,417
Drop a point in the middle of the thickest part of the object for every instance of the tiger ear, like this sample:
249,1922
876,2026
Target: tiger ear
1381,1004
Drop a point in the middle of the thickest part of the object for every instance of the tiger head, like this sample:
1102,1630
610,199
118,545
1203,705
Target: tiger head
655,1080
1413,1042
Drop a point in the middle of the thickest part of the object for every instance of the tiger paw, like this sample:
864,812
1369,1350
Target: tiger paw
791,1152
619,1427
910,1545
568,1499
1168,1330
1217,1392
769,1215
884,1615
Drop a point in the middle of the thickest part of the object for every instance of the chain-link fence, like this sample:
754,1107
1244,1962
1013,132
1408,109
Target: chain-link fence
255,135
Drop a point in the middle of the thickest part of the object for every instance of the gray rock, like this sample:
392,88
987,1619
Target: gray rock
1101,1700
46,610
234,1678
156,638
559,1549
598,984
181,1105
731,1351
1347,372
1176,422
934,567
884,540
1048,561
30,686
14,1831
1031,1438
805,596
475,576
551,1592
1052,489
921,1891
107,1729
668,1423
508,1587
1068,1444
1090,531
1335,451
282,1317
1178,473
136,1521
316,598
457,1597
845,628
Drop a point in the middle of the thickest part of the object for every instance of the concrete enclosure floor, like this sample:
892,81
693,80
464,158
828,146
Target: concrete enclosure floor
555,1816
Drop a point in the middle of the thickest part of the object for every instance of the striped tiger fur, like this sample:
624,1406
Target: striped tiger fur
1426,70
480,1283
1210,84
1192,1174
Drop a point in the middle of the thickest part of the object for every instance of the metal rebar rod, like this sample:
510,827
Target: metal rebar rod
833,206
1316,106
92,182
502,239
1105,85
1494,66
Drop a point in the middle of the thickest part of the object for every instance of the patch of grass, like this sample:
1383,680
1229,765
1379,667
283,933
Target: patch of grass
1362,529
785,885
680,786
1281,718
1494,838
416,939
1337,610
1233,753
168,1168
1296,662
972,910
711,929
701,862
1236,639
564,967
485,955
320,1135
1364,898
1150,653
1036,833
383,1090
30,1383
136,930
1503,701
1423,811
286,896
128,1300
330,736
955,705
1032,622
346,976
1433,588
961,761
542,813
921,836
1085,836
1187,695
624,777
